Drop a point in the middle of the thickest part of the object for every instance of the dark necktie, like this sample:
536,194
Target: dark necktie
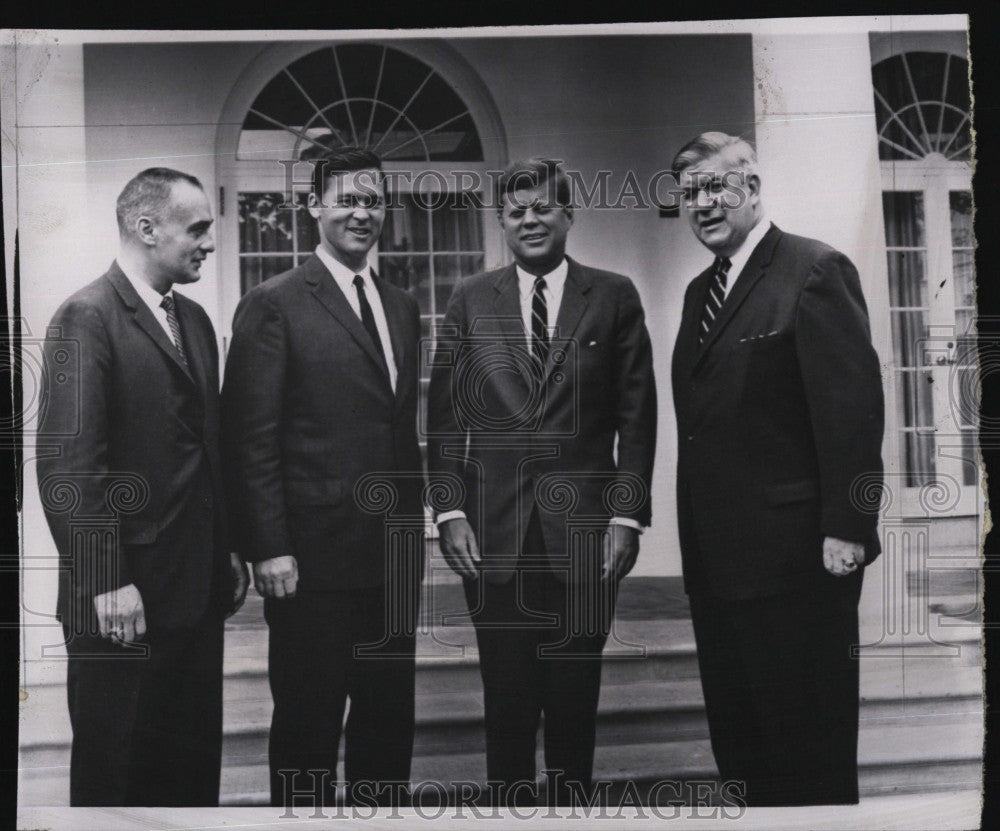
716,296
539,323
168,305
368,319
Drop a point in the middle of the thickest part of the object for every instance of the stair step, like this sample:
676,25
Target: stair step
892,759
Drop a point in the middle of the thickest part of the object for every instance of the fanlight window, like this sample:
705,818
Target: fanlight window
922,107
360,94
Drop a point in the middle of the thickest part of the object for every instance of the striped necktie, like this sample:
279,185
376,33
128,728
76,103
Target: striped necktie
539,323
170,307
716,296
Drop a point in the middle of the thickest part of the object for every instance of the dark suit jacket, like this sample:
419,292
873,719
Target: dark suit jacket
778,414
128,431
548,446
308,412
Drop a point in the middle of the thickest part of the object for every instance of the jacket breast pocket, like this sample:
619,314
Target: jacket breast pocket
303,492
786,493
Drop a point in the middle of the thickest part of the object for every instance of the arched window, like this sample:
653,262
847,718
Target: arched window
922,110
361,94
922,106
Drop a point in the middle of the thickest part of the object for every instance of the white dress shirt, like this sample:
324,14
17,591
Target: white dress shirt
344,278
152,298
739,259
555,282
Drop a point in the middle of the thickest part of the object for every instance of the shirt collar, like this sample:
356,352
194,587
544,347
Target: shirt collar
150,296
740,258
341,273
555,279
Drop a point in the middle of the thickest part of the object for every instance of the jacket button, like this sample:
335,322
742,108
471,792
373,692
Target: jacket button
690,438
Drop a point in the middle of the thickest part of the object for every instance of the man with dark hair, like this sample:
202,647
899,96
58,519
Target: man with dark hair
130,427
320,391
541,367
779,416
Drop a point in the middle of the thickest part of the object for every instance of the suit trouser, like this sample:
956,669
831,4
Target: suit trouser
540,640
781,691
324,648
147,729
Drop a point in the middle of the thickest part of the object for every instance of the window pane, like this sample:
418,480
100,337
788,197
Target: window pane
406,226
411,273
254,270
448,270
961,218
904,219
907,279
263,227
914,396
963,267
970,458
918,458
306,233
458,224
909,338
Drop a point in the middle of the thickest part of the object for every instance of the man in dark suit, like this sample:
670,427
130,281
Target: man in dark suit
779,415
540,367
320,390
131,483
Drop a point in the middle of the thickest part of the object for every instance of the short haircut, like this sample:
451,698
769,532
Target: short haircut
148,194
737,151
530,173
344,160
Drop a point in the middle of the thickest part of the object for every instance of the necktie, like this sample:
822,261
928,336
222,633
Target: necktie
716,296
539,323
368,319
168,305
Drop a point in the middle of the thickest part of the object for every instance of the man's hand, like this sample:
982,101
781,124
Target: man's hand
458,544
621,547
241,581
120,614
277,577
841,557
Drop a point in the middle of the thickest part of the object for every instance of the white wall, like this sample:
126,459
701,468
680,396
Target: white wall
46,201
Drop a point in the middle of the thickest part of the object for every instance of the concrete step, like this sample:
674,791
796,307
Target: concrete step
900,758
635,723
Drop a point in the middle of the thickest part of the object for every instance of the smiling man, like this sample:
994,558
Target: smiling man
542,367
131,426
779,416
320,390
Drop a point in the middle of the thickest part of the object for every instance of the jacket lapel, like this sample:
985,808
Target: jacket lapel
507,306
333,300
574,304
144,318
395,319
194,346
752,272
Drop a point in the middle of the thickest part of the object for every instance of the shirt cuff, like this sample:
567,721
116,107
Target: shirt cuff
628,523
444,516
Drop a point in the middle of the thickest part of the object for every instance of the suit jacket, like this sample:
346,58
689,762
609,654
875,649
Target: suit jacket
521,443
130,435
779,412
308,412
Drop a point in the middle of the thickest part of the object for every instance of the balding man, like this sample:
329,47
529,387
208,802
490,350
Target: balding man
130,427
779,412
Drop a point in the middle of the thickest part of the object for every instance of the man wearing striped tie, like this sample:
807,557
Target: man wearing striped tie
130,475
779,407
541,367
